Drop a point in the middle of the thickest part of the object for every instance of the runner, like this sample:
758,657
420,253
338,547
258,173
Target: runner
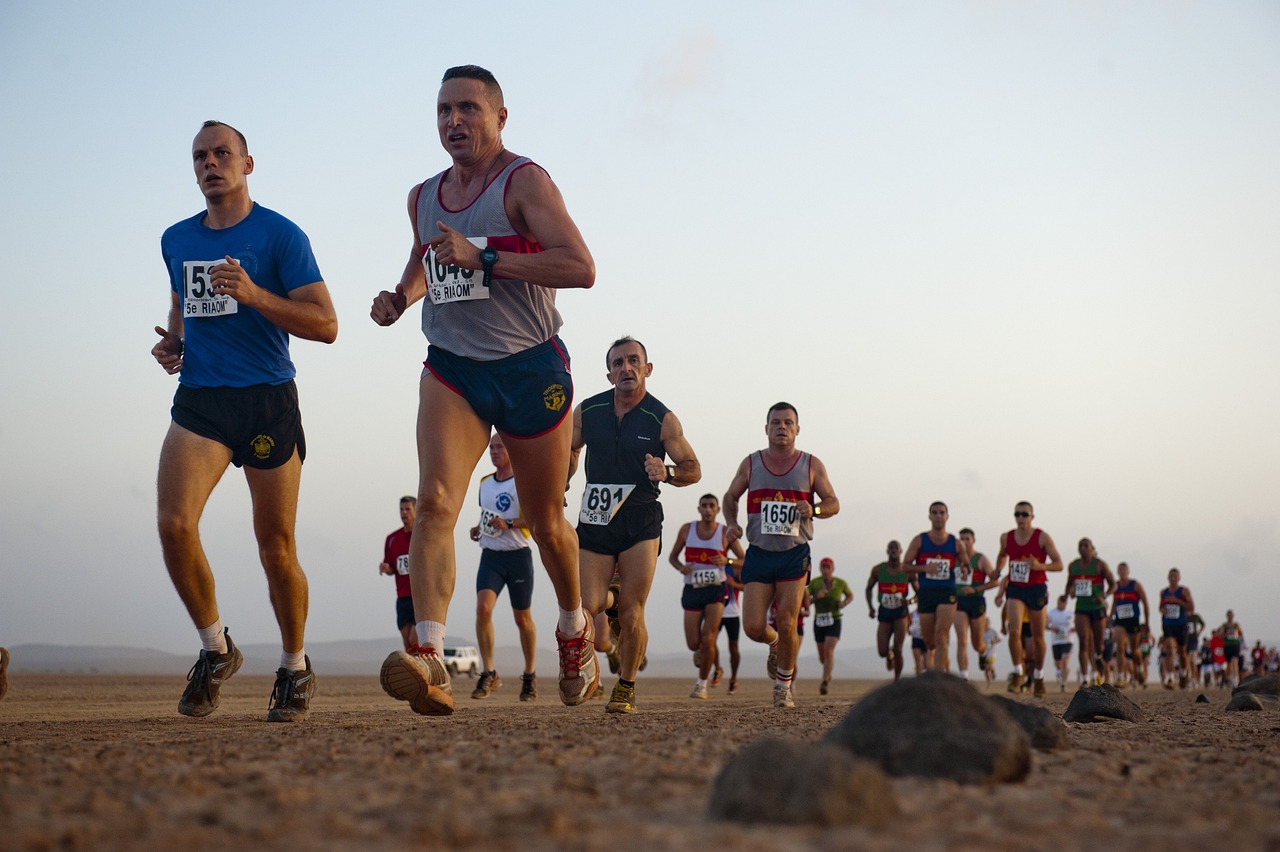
1025,549
1145,642
830,595
505,560
705,585
931,558
627,433
1176,604
1129,608
492,242
919,650
1061,622
242,281
1085,583
1232,643
395,563
786,490
731,623
991,638
973,578
892,587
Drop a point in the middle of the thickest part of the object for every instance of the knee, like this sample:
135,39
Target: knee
524,619
631,616
756,632
549,532
278,554
436,509
484,611
176,528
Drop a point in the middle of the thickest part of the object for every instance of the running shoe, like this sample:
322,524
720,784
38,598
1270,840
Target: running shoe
598,695
489,681
1038,691
822,690
579,671
623,700
771,664
291,696
204,681
782,697
1015,682
699,691
419,677
716,676
733,685
528,687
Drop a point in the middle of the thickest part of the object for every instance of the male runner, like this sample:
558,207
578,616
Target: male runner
242,281
892,587
704,563
1086,577
1025,550
1232,642
781,484
1061,622
931,558
973,578
395,563
492,242
628,434
731,621
1129,608
830,595
505,560
1176,604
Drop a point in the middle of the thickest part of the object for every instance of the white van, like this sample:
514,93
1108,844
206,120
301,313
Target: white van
462,658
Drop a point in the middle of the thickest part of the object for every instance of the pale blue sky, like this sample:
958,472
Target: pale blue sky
991,251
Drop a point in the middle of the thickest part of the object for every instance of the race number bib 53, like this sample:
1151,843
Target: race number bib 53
1084,588
601,502
402,565
453,283
939,569
1125,611
198,298
1019,572
779,518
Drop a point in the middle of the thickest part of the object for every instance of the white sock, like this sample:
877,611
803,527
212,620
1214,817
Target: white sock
431,634
964,673
572,621
1017,668
1039,675
701,682
293,662
212,638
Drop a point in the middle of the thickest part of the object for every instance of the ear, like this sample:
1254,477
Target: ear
248,164
502,118
648,369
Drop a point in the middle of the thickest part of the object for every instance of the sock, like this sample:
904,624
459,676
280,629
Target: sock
293,662
784,677
213,639
431,634
630,684
572,621
701,682
1039,675
964,673
1017,668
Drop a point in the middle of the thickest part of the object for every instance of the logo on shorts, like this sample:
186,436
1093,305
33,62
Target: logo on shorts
554,397
262,446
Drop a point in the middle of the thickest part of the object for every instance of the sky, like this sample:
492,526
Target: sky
991,251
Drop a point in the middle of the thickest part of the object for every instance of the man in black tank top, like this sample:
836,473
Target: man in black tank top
627,434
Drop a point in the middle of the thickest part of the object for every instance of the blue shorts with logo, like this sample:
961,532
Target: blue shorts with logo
510,568
524,395
771,566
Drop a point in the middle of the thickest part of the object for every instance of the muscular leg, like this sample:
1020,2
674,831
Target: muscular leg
1016,609
275,511
899,637
943,618
790,595
190,467
635,574
929,632
1084,636
757,598
961,624
978,634
710,627
1038,619
486,599
528,637
829,657
693,629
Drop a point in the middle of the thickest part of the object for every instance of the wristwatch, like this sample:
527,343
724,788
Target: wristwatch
488,258
671,472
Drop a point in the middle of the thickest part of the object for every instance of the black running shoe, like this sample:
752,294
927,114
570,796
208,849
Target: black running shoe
205,679
291,698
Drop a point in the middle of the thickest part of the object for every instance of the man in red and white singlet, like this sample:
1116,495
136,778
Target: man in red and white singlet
1029,553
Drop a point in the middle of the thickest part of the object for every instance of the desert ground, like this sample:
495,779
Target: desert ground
105,762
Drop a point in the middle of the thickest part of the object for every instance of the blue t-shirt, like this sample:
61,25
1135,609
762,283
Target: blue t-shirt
228,344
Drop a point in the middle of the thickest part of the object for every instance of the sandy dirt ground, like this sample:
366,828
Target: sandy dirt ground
106,762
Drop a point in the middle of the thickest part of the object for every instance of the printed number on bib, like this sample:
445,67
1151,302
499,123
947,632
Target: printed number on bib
402,565
1084,588
704,577
1124,611
453,283
486,523
779,518
1172,611
601,502
964,576
939,569
824,619
1019,572
198,298
891,600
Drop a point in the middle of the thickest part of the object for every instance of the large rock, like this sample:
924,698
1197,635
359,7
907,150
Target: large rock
937,726
1245,701
788,781
1047,732
1260,685
1096,703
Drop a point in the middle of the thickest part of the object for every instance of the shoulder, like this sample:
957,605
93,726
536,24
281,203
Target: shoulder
181,228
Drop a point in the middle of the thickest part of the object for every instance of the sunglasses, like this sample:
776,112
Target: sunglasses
1022,514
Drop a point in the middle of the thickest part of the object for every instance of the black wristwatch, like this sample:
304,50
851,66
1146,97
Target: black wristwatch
488,258
671,472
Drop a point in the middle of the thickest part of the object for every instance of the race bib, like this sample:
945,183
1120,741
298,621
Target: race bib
601,502
939,569
704,577
453,283
1084,588
1172,611
402,565
486,523
1061,637
824,619
777,518
1125,610
964,575
892,600
198,298
1019,572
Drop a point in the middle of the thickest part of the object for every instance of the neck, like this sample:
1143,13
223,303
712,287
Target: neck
505,473
225,212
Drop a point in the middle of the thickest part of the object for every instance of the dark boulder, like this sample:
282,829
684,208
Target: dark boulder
1046,730
1096,703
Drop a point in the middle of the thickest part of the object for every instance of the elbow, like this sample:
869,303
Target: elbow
586,275
329,333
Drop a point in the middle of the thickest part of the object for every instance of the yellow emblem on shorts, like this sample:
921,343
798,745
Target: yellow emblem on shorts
262,446
554,397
